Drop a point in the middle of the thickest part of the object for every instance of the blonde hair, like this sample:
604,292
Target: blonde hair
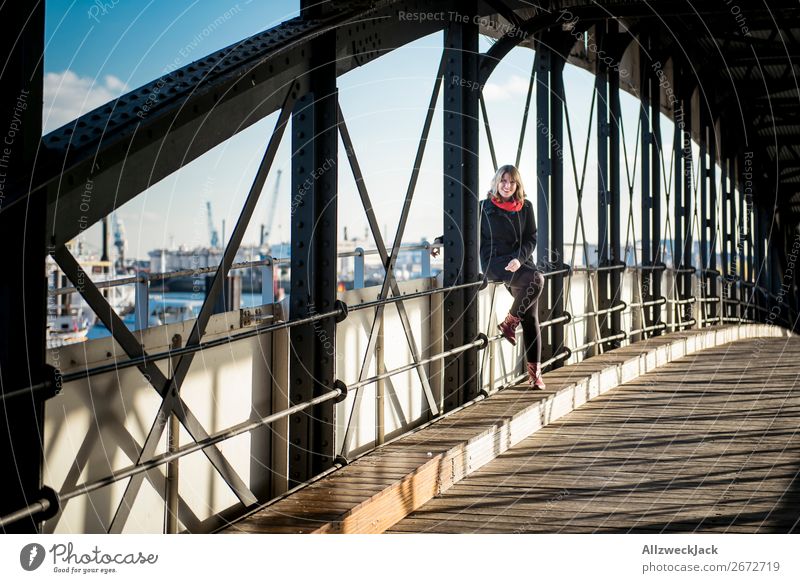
519,194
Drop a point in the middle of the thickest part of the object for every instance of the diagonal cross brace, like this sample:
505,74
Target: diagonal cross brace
183,365
199,328
171,400
387,259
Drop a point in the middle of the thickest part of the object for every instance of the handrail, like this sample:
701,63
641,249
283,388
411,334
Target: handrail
620,307
269,260
601,340
659,326
44,504
659,302
340,311
482,342
340,389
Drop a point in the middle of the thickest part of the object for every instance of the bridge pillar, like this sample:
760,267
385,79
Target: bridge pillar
725,232
737,260
708,311
461,192
650,122
713,219
758,262
682,195
746,231
313,260
23,286
733,270
774,245
768,264
551,50
609,258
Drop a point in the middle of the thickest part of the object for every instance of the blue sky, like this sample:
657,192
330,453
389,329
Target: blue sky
99,50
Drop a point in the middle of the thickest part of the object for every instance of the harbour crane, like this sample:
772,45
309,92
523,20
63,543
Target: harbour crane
266,229
211,229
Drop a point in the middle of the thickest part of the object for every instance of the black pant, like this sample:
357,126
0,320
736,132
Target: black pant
526,285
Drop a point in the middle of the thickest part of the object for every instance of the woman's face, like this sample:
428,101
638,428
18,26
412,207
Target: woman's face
507,186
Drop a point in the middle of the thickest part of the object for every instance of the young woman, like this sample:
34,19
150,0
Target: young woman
508,238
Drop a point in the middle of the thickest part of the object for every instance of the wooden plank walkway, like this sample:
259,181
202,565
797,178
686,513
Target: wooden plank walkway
374,492
707,443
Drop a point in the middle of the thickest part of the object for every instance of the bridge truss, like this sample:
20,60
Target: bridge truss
727,80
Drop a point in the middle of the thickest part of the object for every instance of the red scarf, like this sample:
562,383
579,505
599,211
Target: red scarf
508,205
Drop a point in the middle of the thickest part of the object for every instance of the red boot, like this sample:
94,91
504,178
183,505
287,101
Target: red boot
508,328
535,375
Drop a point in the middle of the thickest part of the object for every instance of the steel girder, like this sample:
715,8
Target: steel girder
314,263
552,48
650,123
23,286
127,145
608,181
461,192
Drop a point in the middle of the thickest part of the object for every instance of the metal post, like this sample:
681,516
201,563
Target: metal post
688,205
758,262
682,237
744,224
460,117
313,275
425,260
603,189
358,269
173,468
655,197
773,246
615,176
725,233
23,287
608,183
716,308
556,215
765,263
268,282
703,308
543,64
380,386
649,247
142,302
734,234
279,431
746,234
550,97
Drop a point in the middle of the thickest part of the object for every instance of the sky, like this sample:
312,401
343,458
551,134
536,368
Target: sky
96,51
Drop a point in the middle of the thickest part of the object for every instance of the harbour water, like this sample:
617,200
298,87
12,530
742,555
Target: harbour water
170,307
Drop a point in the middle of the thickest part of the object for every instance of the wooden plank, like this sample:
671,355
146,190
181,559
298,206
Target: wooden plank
596,448
695,449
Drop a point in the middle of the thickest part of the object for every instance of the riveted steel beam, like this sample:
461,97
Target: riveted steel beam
552,48
609,177
129,144
314,263
23,286
650,124
460,208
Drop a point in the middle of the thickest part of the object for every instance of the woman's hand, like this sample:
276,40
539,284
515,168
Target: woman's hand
513,265
436,250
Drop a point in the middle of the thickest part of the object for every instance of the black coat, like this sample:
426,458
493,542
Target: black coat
506,235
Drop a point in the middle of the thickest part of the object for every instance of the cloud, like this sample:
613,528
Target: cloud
513,86
67,96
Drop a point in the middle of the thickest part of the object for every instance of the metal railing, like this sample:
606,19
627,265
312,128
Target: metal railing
50,501
144,281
